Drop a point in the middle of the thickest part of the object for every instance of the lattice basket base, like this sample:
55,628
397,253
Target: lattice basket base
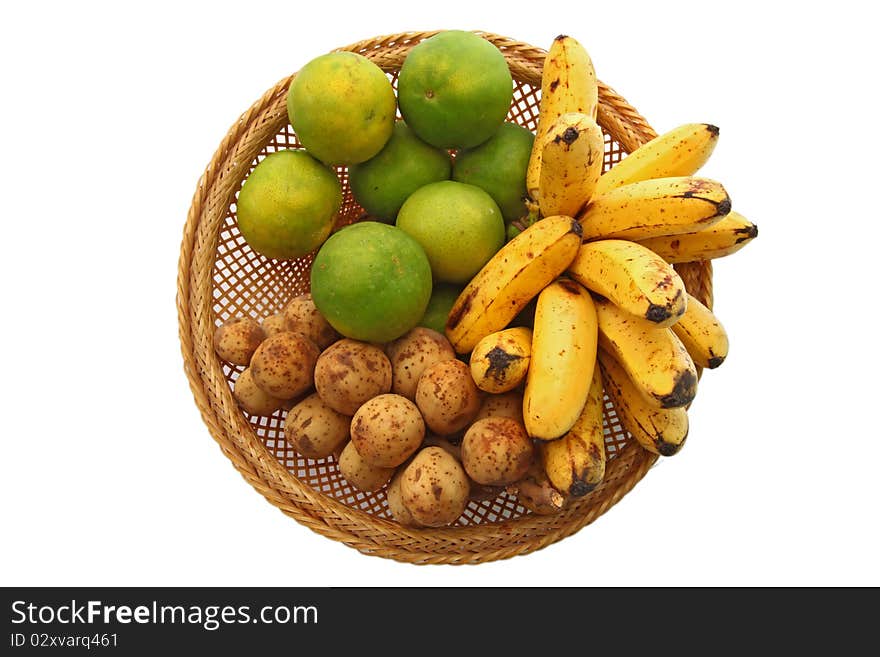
221,277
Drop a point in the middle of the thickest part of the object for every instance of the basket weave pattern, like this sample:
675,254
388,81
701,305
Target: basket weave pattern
220,277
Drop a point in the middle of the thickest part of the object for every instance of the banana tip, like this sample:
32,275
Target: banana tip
561,37
750,232
580,488
657,313
713,129
724,207
683,392
668,449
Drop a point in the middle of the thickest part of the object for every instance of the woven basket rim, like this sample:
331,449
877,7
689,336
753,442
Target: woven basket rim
367,533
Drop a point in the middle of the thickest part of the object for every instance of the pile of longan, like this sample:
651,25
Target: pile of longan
405,415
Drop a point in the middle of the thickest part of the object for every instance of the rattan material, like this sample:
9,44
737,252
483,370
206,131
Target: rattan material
220,277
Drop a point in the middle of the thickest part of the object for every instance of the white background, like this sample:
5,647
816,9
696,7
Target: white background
110,114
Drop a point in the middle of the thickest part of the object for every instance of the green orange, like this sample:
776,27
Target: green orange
382,183
458,225
342,108
498,166
454,89
371,281
442,299
288,204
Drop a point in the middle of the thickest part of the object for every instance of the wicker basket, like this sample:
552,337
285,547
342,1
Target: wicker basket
220,277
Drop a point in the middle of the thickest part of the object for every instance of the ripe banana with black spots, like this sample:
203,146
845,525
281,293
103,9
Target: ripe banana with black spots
511,278
649,208
722,238
571,163
564,341
702,335
575,464
654,358
679,152
633,277
500,361
659,430
568,84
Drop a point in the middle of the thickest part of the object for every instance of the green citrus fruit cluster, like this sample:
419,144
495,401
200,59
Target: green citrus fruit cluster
438,182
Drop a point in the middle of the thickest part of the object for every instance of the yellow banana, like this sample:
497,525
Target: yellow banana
575,464
571,163
500,361
659,430
511,278
679,152
654,358
722,238
702,335
662,206
564,340
568,84
633,277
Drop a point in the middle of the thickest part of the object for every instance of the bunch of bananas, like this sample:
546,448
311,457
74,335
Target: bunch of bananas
611,315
